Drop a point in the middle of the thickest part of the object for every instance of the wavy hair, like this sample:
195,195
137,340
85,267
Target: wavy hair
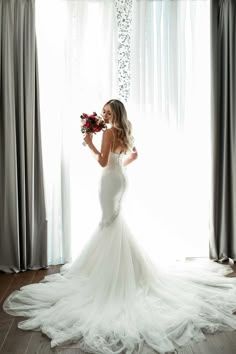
121,123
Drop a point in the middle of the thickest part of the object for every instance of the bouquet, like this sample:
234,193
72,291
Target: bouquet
92,123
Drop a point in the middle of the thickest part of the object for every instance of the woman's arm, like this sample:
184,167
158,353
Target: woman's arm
133,156
101,157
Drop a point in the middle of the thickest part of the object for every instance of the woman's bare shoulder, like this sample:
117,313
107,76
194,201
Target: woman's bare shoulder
108,132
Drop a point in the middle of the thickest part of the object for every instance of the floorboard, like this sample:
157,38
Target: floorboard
39,344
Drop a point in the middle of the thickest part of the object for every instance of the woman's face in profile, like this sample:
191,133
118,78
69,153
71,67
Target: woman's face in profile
107,113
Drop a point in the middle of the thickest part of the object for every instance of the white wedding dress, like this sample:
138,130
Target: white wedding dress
114,299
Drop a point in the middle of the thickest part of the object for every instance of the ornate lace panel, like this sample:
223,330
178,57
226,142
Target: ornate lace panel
124,20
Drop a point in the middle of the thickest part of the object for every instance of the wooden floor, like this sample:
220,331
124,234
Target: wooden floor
16,341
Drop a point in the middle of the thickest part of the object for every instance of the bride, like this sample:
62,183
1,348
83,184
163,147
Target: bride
113,298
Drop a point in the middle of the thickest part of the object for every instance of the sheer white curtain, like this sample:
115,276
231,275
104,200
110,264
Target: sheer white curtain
170,105
77,55
168,200
51,42
90,82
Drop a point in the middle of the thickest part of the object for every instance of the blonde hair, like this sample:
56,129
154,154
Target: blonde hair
121,123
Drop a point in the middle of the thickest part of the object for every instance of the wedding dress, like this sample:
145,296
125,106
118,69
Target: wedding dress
113,298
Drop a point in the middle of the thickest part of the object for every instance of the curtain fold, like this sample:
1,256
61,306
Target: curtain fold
223,33
23,227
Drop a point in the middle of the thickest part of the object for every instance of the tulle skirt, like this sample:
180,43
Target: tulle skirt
113,298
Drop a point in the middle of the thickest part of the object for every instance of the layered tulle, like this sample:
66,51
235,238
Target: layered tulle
113,298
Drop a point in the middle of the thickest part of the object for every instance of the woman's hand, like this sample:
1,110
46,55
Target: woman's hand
134,153
133,156
88,138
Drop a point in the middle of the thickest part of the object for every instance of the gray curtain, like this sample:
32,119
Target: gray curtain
223,35
23,225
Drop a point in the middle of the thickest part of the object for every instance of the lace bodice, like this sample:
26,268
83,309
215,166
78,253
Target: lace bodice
115,160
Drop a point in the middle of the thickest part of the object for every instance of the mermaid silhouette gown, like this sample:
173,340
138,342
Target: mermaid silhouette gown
113,298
